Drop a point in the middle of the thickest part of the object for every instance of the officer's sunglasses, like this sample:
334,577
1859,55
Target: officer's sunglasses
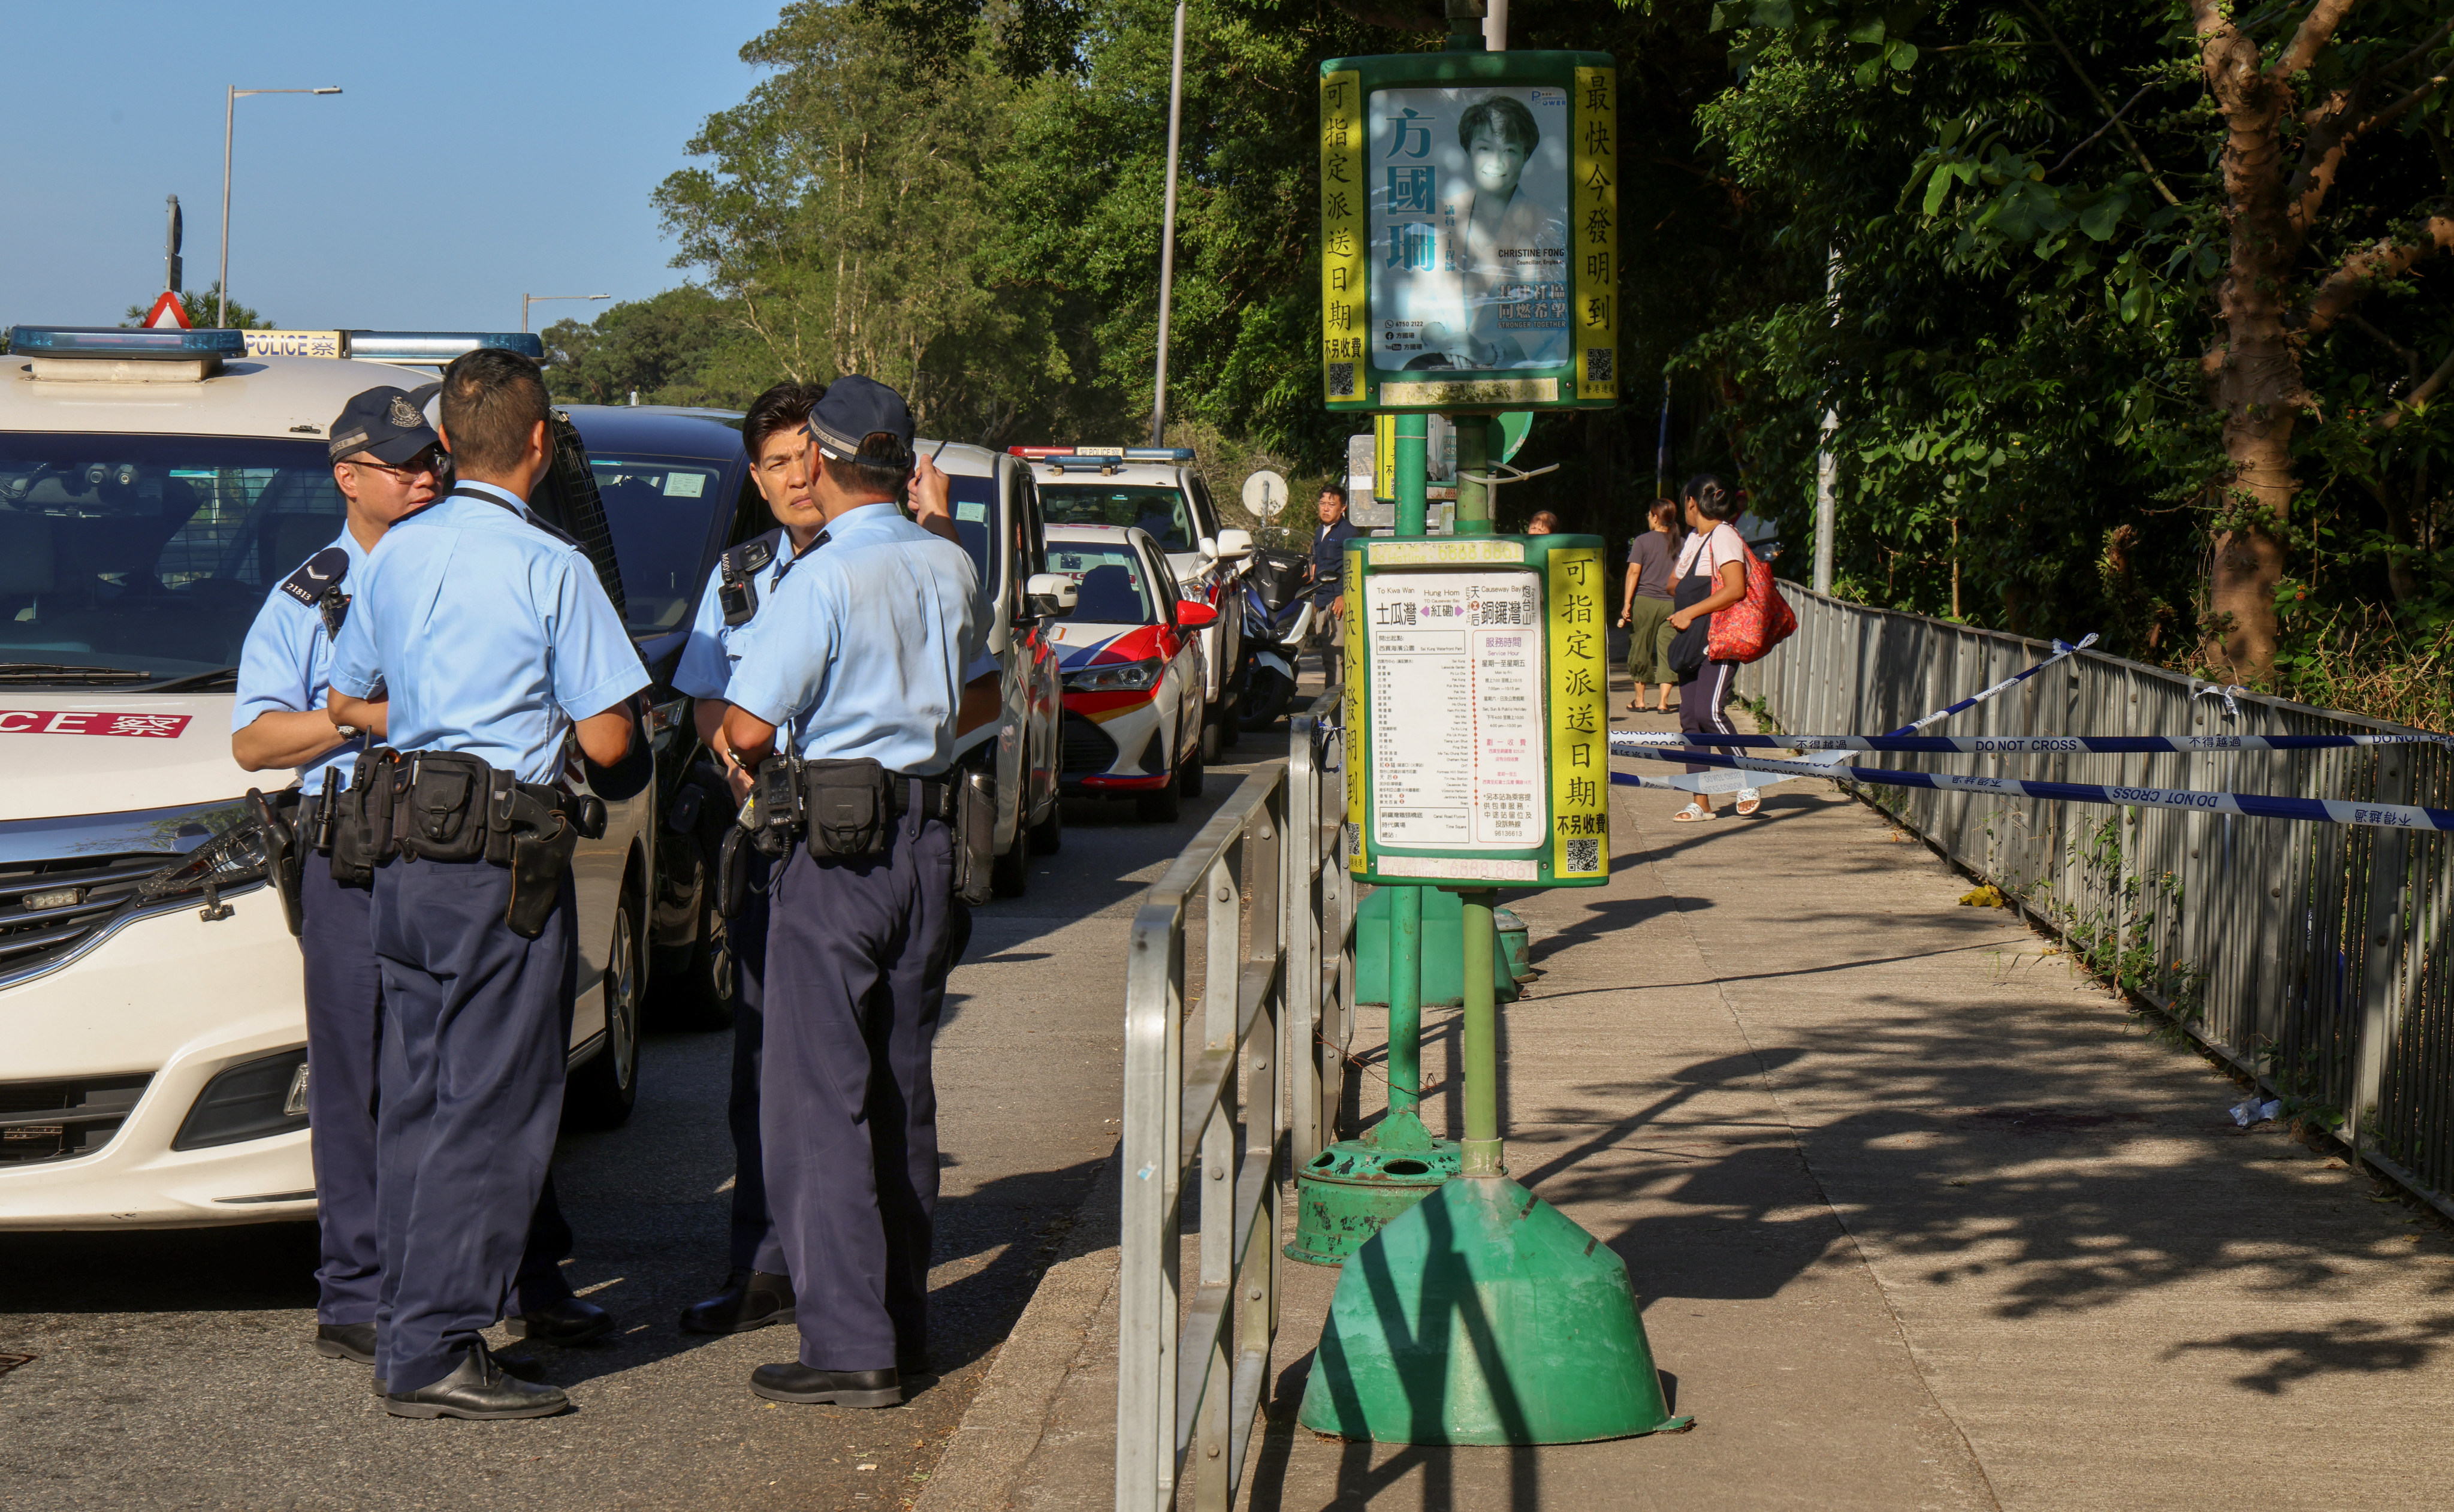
429,460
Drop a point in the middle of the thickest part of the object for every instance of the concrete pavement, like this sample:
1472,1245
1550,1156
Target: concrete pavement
1919,1217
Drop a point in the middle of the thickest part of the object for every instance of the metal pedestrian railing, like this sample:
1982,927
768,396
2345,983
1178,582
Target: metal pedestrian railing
1234,1077
1320,929
2318,959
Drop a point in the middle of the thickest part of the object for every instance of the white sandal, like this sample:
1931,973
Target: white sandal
1693,813
1748,800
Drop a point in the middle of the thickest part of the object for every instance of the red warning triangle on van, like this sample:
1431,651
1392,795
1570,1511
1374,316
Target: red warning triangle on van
167,312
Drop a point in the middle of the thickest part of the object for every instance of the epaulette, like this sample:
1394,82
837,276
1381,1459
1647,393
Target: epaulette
556,531
753,553
318,576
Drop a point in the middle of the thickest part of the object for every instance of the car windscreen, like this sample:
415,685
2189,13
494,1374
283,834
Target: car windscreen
1111,587
123,557
663,514
975,504
1158,508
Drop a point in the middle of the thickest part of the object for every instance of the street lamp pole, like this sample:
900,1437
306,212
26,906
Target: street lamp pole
229,117
1167,231
527,300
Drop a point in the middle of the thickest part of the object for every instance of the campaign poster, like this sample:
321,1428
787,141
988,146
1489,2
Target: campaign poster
1469,195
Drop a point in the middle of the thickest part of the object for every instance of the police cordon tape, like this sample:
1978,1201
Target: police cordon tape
1727,782
1627,741
2252,805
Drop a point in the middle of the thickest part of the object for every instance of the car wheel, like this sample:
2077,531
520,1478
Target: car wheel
1162,806
1210,739
1011,871
1230,721
602,1092
1189,776
700,998
1048,836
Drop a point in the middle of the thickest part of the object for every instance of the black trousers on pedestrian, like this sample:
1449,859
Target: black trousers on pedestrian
857,963
474,1033
1703,702
344,994
755,1244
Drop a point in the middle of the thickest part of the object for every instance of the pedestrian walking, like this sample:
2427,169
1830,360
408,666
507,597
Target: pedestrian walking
857,663
386,464
1644,608
494,642
1710,573
1327,573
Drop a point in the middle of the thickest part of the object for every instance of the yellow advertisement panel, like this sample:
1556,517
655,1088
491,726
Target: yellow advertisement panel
1344,211
1580,720
1594,240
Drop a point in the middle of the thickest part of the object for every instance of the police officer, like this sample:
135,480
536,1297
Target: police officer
494,639
758,1289
385,463
859,661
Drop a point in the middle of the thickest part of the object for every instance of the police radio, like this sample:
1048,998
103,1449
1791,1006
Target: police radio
736,589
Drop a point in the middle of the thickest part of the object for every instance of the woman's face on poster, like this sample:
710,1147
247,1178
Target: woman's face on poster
1498,163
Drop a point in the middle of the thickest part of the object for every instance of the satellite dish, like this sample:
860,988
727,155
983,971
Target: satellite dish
1265,494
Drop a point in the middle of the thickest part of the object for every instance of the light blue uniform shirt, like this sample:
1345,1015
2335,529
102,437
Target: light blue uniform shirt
861,651
287,661
707,660
492,637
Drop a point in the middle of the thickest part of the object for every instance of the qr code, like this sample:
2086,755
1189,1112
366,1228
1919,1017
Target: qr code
1585,854
1341,381
1599,362
1354,843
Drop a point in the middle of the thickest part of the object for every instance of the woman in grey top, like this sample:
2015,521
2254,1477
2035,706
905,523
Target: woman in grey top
1645,608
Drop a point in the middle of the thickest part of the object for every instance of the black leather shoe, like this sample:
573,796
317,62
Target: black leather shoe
479,1389
518,1368
570,1320
844,1388
749,1300
354,1343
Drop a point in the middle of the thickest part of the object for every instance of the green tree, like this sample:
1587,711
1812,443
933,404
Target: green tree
200,305
663,349
847,217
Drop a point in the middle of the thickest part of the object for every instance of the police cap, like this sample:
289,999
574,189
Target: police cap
855,408
385,423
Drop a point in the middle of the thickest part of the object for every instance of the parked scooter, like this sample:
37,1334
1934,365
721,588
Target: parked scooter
1277,617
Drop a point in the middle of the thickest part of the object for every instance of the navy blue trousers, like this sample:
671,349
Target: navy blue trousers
857,963
344,992
474,1035
755,1246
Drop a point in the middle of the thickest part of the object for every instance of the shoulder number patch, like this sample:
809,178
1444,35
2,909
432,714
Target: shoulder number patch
320,574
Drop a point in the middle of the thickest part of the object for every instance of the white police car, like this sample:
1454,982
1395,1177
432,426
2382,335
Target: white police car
154,486
1159,491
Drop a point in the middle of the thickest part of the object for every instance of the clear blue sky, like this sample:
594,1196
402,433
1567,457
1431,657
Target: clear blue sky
482,147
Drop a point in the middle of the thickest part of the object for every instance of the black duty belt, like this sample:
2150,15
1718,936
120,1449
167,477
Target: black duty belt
933,796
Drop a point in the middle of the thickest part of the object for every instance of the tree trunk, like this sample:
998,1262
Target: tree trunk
2254,371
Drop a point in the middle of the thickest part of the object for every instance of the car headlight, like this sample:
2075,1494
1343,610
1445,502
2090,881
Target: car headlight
232,858
1126,676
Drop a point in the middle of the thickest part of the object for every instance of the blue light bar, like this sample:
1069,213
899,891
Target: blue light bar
1104,455
126,345
435,347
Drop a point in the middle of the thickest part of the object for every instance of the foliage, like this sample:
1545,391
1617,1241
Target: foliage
846,222
199,305
663,349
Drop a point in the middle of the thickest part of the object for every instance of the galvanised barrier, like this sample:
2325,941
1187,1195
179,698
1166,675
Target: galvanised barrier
2313,957
1248,1077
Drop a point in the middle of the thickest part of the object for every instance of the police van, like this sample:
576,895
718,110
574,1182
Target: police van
1159,491
154,486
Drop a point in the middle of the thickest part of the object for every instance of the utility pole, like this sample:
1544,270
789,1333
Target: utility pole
1167,232
1827,460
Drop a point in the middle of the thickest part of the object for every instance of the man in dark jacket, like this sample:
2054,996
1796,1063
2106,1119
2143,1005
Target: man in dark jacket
1327,574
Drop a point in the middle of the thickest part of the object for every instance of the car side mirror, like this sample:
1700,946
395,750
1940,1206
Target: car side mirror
1207,546
1050,594
1192,616
1233,544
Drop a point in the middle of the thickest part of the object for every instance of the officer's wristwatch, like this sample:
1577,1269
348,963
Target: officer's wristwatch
349,731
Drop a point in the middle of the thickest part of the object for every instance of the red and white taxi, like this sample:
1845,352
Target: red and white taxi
1130,652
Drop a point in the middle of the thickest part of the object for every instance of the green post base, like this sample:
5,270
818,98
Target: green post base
1354,1186
1482,1315
1443,982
